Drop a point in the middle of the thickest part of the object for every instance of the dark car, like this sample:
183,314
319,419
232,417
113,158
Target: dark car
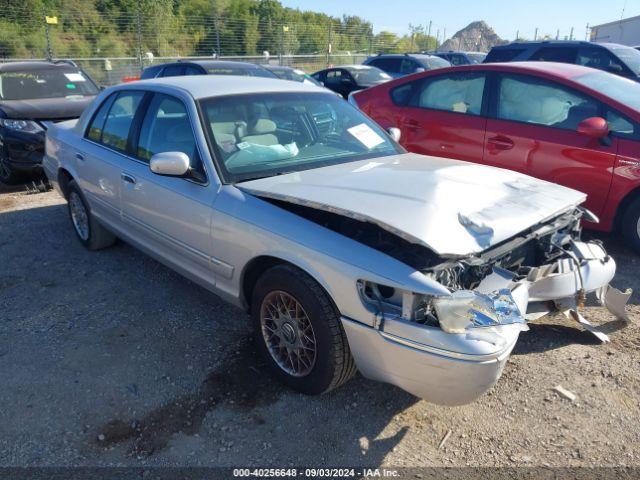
399,65
350,78
461,58
293,74
32,96
206,67
610,57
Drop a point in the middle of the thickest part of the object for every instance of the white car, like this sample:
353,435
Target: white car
346,250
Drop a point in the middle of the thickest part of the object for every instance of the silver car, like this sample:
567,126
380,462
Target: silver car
346,250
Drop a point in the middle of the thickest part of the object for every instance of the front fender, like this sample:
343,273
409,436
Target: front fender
247,227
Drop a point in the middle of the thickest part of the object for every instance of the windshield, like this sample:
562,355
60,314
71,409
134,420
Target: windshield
364,74
295,75
616,87
253,72
476,57
436,62
261,135
630,56
45,83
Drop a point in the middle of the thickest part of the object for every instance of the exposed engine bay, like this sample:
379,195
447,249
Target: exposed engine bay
542,270
535,247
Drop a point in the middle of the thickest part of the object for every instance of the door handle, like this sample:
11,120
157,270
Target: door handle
128,178
501,143
80,157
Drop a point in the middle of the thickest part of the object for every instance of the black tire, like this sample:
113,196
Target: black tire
631,225
7,175
96,236
334,364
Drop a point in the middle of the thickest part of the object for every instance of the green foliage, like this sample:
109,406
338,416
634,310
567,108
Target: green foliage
111,28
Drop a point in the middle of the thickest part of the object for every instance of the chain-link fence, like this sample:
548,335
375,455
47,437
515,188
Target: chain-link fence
115,43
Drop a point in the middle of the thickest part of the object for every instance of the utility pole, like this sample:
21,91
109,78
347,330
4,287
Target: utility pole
558,34
444,35
586,33
139,36
429,36
47,33
535,35
329,45
517,35
571,34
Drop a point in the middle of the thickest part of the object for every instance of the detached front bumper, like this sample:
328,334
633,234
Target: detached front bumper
455,368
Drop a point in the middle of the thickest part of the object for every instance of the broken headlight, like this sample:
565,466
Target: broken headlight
470,309
454,313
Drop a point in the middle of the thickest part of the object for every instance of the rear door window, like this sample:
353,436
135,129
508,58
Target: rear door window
599,58
118,122
539,102
190,70
503,54
455,92
555,54
94,132
389,64
408,66
173,70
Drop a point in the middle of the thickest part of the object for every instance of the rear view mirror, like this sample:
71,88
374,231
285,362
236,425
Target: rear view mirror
394,133
594,127
175,164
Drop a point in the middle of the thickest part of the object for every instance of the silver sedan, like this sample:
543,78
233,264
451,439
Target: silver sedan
346,250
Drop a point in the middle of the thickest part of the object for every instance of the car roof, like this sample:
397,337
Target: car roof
225,63
557,43
35,65
404,55
564,70
220,85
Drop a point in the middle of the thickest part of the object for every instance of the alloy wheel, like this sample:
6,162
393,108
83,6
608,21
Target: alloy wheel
288,333
79,216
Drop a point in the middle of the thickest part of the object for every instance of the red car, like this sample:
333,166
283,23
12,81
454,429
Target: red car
567,124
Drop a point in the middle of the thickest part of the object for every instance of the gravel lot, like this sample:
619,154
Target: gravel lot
110,358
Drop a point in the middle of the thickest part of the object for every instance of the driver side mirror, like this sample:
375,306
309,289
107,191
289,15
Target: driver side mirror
614,68
594,127
420,70
394,133
173,164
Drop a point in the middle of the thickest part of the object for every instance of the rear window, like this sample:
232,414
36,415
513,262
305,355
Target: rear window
503,54
45,83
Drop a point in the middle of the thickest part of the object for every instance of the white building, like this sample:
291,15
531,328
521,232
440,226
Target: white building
625,31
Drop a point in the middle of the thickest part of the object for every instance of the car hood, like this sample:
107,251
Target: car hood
45,108
455,208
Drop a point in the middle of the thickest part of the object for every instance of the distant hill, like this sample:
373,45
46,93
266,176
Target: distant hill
477,36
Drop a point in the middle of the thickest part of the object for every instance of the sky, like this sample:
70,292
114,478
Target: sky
506,17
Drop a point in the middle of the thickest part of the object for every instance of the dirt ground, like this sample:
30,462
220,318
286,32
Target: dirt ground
108,358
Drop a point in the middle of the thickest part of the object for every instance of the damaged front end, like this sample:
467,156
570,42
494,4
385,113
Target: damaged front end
451,348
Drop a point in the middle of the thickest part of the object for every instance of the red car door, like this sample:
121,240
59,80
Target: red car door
533,129
444,116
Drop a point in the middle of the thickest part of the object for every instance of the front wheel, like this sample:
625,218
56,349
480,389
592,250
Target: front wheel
8,176
88,230
631,225
299,332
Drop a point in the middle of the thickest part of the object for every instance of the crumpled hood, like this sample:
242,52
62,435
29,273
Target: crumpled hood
45,108
452,207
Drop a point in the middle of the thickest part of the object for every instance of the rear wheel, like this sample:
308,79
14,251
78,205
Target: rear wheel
88,230
631,225
299,332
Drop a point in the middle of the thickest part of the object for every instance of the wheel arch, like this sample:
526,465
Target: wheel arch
258,265
64,178
628,199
